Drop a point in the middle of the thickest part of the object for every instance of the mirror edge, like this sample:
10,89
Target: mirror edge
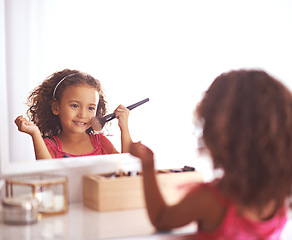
4,136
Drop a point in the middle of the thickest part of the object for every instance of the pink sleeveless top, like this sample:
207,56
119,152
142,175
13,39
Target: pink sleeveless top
235,227
96,139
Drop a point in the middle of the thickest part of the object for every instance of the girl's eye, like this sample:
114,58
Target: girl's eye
91,108
74,105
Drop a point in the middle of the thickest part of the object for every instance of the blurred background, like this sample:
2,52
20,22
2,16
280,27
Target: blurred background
169,51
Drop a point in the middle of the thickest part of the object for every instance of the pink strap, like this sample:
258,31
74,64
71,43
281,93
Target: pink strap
94,140
58,142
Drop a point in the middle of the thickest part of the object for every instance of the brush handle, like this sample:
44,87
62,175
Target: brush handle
137,104
112,115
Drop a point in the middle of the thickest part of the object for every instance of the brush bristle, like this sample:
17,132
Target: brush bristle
96,124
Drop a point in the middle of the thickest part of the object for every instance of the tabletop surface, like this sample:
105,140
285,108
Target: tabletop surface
81,222
84,223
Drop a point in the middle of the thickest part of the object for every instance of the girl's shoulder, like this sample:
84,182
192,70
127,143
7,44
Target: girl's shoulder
210,202
54,146
206,205
210,188
54,141
213,189
207,195
99,139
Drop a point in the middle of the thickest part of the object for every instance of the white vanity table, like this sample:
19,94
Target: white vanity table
83,223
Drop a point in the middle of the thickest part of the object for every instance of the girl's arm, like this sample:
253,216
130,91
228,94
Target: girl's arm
165,217
40,148
154,200
122,114
109,147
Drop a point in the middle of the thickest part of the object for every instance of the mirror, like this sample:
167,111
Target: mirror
169,51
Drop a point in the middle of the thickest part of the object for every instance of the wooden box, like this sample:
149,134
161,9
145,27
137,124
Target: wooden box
107,193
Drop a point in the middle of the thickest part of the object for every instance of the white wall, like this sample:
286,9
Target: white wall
169,51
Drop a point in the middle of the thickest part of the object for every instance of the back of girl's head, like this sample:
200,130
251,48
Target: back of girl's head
41,99
247,129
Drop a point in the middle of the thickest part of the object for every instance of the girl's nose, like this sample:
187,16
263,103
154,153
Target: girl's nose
81,113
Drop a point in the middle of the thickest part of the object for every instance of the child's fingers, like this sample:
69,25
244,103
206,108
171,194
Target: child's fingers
122,114
23,124
121,111
17,120
20,121
120,108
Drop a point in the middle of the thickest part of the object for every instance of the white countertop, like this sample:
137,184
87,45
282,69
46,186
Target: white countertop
83,223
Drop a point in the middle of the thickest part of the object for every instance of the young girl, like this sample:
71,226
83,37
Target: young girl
61,110
246,118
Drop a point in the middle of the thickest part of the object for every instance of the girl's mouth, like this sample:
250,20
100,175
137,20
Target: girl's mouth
79,123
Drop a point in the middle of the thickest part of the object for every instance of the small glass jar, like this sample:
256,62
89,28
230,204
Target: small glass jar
20,211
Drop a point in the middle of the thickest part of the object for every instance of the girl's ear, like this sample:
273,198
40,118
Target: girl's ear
55,108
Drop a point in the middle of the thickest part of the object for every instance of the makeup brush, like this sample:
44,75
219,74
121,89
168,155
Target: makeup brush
98,122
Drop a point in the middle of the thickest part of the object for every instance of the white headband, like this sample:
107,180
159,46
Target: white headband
61,82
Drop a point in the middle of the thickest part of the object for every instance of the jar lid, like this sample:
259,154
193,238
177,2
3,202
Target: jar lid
20,203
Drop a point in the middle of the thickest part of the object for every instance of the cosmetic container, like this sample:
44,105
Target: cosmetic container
19,211
50,191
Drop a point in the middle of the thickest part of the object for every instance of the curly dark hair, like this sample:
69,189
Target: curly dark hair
41,99
246,117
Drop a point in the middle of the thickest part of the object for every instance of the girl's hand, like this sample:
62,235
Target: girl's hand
26,126
122,114
144,153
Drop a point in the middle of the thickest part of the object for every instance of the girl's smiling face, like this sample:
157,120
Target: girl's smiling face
77,107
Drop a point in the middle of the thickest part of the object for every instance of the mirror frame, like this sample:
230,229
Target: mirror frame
4,133
104,163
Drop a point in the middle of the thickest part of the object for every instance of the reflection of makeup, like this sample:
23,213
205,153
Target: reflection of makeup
98,122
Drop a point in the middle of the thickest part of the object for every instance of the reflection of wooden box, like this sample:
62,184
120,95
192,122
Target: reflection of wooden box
104,193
